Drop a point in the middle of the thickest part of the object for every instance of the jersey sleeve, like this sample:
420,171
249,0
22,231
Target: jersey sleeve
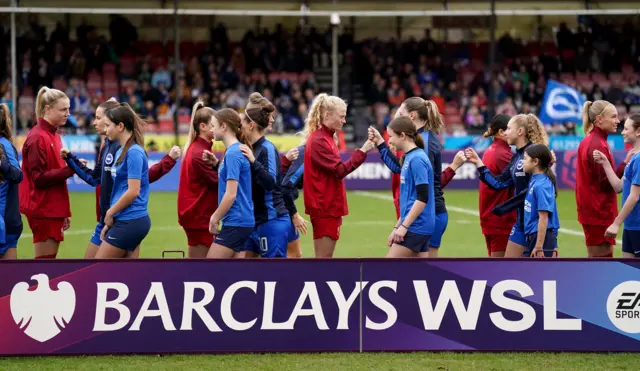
419,171
447,175
135,162
545,198
389,158
635,179
10,166
325,158
90,176
43,177
264,168
502,181
206,174
233,163
160,169
597,171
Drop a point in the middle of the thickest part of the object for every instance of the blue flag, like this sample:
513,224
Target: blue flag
561,104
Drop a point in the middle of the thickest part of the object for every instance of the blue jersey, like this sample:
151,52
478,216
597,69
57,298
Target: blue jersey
100,174
433,149
512,175
631,178
235,166
266,179
292,182
134,166
540,197
9,199
417,170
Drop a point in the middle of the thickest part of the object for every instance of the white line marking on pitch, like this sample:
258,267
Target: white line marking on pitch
462,210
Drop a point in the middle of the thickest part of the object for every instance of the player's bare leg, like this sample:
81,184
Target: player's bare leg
46,248
433,252
498,254
514,250
220,252
324,247
603,250
294,250
12,254
91,251
135,254
108,251
198,251
397,251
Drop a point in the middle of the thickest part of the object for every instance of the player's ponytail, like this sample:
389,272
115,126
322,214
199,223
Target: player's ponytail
6,127
199,114
498,122
542,153
426,111
590,112
125,115
47,97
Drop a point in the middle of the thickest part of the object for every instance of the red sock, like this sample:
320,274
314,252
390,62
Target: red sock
52,256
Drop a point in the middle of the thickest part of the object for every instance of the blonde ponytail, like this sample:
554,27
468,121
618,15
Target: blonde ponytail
322,104
533,129
193,132
590,111
47,97
434,117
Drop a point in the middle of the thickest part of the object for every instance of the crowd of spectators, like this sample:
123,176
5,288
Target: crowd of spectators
598,59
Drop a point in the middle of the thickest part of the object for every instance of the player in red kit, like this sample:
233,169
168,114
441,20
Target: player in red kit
496,229
198,189
44,197
595,198
325,196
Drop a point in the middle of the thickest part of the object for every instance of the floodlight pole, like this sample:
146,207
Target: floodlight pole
492,49
335,24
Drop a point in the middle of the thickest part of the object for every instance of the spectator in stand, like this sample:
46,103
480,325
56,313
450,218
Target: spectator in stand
161,76
507,107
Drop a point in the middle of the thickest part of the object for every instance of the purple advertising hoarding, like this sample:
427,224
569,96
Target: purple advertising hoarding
77,307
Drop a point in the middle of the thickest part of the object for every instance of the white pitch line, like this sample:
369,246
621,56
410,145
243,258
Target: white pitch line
462,210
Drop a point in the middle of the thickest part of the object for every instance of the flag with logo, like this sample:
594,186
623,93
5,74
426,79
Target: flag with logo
561,104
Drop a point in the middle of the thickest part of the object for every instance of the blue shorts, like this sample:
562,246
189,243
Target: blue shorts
630,242
415,242
270,239
11,242
441,225
234,238
549,245
128,234
517,235
95,237
293,233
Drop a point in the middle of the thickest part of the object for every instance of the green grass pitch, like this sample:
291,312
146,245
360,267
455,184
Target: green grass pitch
363,234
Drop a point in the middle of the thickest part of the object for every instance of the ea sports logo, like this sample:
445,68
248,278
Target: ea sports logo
623,307
109,159
43,312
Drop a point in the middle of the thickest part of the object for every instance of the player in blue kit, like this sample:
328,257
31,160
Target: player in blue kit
126,222
291,183
416,224
269,239
10,177
629,185
541,221
235,206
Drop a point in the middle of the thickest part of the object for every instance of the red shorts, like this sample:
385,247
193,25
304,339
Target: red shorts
326,227
594,235
199,237
46,228
496,242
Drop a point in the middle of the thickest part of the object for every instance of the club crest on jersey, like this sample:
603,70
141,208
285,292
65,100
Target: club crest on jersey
109,159
520,164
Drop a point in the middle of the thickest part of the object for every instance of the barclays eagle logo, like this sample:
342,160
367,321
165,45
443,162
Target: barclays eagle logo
43,312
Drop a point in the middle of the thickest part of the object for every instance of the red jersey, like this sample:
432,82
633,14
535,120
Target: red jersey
198,188
595,198
43,192
323,179
495,158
